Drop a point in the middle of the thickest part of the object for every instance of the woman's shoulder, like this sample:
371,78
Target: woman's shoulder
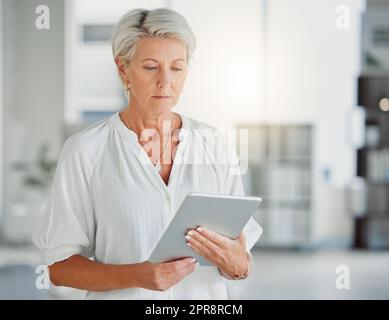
88,142
218,142
208,131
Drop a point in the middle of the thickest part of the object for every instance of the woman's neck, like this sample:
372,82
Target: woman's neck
160,125
139,121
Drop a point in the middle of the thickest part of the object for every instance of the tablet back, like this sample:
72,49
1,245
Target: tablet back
226,215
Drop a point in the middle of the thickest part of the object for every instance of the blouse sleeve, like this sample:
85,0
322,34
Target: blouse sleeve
67,227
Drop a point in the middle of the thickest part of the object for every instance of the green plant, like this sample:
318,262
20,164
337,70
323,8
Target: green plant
38,174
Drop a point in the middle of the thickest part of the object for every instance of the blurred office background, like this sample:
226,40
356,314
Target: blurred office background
308,79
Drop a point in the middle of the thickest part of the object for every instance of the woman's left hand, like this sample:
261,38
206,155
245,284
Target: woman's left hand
229,255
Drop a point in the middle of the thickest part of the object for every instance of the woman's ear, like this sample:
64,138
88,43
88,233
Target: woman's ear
121,67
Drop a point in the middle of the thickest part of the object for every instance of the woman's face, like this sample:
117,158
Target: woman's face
157,61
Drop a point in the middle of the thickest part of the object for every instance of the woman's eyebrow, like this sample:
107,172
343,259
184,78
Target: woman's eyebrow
157,60
149,59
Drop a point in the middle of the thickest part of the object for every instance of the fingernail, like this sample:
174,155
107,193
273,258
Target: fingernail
199,229
193,260
188,244
190,233
187,237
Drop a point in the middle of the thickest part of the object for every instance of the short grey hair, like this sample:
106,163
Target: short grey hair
141,23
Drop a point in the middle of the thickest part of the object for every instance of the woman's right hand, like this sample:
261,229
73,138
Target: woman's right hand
161,276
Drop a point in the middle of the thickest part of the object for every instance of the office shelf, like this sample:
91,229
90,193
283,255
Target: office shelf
373,157
280,171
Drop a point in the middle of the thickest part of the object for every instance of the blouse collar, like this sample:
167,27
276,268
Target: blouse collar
131,136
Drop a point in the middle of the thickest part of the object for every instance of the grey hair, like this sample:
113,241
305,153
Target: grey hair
141,23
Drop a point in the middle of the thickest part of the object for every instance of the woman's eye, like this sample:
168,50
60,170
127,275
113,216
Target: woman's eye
153,68
150,68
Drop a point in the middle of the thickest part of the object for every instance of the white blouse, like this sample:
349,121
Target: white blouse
109,202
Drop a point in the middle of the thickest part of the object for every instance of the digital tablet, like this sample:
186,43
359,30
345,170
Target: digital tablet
224,214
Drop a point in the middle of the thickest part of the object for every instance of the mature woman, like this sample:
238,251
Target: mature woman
119,182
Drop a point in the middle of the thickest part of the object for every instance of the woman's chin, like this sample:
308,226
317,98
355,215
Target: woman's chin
161,108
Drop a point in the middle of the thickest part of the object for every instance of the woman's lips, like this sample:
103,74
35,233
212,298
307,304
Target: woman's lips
161,97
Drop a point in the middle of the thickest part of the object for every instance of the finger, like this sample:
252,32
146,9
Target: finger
201,249
178,264
182,269
177,276
215,237
242,238
209,244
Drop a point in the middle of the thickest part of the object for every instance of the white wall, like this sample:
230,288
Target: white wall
33,108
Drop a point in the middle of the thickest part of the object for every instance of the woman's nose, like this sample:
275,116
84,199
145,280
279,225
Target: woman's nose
160,84
164,79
